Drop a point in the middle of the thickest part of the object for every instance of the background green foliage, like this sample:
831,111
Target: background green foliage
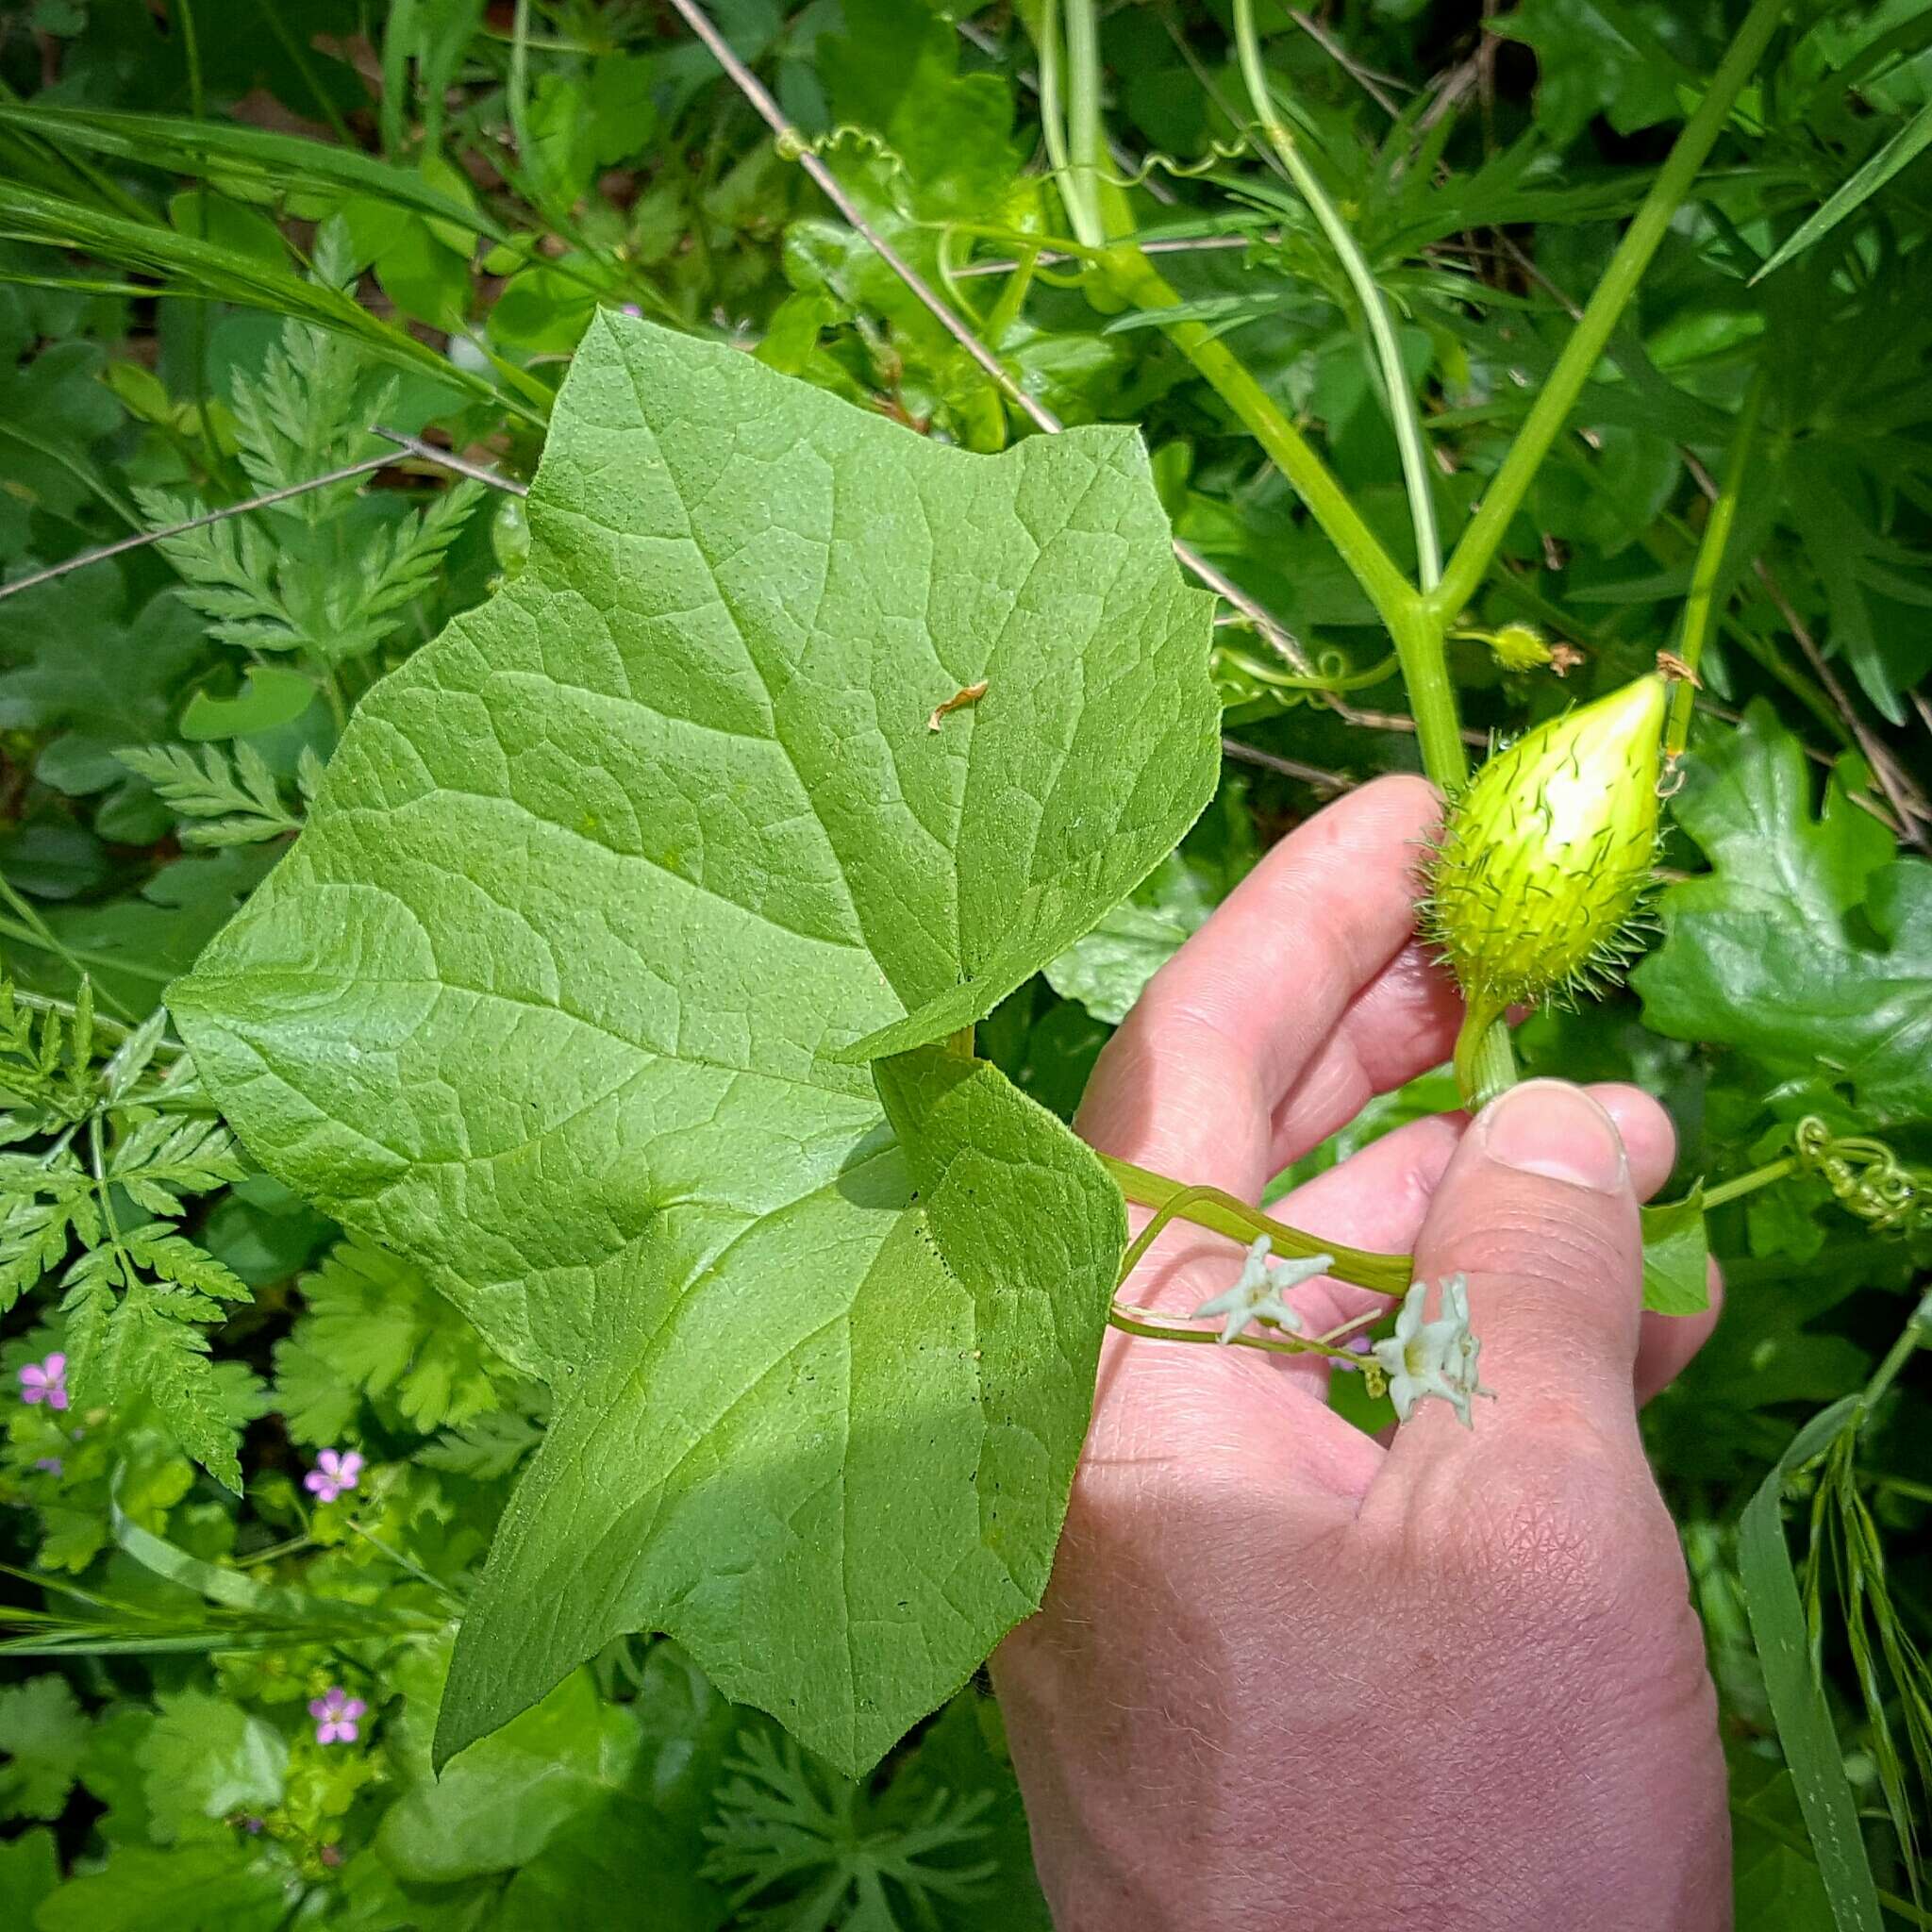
237,239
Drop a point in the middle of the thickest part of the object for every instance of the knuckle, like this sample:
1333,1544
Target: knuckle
1576,1552
1546,1241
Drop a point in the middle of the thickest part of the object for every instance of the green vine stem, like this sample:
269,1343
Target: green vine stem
1477,548
1710,562
1916,1334
1398,395
1225,1214
1130,1321
1771,1172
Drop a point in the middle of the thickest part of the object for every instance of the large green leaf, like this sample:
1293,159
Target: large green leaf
566,991
1807,942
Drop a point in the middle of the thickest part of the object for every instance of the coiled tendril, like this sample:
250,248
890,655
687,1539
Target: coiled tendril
1867,1178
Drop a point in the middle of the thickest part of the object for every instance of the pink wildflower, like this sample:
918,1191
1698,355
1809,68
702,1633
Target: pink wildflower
334,1473
45,1381
335,1714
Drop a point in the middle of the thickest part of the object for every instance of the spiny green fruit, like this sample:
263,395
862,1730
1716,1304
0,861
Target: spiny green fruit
1545,853
1518,646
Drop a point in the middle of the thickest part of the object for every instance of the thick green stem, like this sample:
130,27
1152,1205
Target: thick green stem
1134,280
1710,558
1398,395
1477,549
1418,633
1485,1060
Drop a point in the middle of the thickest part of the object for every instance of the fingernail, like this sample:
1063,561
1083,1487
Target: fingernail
1546,1127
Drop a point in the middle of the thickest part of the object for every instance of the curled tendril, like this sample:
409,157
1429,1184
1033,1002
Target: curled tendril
1218,151
1867,1178
1332,672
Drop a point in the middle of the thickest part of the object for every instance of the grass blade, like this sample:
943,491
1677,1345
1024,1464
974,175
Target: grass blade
1904,147
255,156
195,267
1803,1723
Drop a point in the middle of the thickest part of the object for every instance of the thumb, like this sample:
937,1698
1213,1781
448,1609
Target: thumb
1536,1210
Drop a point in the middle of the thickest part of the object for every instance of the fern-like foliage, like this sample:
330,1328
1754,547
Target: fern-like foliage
374,1329
226,797
121,1145
329,573
808,1851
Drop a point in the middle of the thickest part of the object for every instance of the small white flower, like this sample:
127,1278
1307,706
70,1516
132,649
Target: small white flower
1438,1358
1258,1295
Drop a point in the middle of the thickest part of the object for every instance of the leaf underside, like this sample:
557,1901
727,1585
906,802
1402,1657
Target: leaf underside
568,990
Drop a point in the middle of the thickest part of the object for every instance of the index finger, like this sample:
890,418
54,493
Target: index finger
1189,1083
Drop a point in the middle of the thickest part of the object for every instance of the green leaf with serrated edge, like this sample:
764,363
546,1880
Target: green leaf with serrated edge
1804,943
556,997
206,1758
212,1886
502,1804
1804,1719
43,1735
1676,1257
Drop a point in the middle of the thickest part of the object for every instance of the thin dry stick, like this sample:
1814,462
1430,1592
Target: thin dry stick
446,460
1909,808
415,445
1321,780
1908,803
213,516
1372,84
792,143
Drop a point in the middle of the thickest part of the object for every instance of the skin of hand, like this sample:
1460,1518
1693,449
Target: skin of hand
1288,1675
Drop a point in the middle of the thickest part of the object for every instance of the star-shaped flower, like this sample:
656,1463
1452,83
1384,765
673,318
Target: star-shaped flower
1438,1358
1258,1295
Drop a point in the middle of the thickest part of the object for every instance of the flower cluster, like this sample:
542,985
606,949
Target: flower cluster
336,1472
1438,1358
1258,1295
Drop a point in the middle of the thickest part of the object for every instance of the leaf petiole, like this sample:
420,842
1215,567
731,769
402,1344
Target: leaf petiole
1226,1214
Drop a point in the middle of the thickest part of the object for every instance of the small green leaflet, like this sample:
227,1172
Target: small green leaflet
1676,1257
1808,942
567,991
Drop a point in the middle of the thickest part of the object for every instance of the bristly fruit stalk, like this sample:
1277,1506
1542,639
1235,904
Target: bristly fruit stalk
1543,860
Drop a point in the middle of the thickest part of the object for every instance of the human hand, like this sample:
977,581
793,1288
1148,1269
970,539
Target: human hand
1287,1675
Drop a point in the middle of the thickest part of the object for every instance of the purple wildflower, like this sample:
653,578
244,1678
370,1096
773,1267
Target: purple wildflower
335,1714
45,1381
633,308
334,1473
251,1826
51,1464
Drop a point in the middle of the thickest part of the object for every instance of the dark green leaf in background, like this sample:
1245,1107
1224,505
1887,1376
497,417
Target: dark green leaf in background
1808,943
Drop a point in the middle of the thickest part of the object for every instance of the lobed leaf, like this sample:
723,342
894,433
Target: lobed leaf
565,994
